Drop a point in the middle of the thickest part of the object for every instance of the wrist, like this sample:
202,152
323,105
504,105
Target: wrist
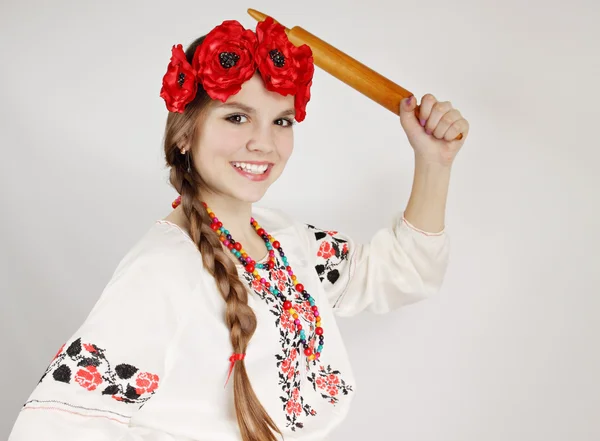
431,174
429,165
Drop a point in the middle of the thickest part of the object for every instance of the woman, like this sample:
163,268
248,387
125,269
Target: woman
220,288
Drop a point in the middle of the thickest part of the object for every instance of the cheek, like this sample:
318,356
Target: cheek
285,146
218,147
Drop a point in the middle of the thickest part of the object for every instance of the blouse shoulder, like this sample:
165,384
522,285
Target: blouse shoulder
164,257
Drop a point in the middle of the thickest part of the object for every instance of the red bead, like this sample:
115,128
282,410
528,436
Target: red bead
299,327
288,268
250,268
214,227
299,287
314,308
220,224
268,285
271,264
319,331
287,305
238,246
204,205
261,232
230,246
308,352
276,245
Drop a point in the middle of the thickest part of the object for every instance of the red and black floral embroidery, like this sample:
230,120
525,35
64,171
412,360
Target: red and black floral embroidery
332,254
85,364
329,384
290,361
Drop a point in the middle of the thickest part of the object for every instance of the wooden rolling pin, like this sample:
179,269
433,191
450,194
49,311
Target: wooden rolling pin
348,70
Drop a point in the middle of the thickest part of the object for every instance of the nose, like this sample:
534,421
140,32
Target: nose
261,139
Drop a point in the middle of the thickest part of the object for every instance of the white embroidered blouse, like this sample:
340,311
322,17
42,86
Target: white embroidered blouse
150,361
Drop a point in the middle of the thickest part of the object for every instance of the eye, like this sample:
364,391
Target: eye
285,122
236,119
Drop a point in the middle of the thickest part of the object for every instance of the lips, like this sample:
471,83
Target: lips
254,171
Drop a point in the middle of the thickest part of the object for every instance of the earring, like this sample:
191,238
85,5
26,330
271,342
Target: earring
187,157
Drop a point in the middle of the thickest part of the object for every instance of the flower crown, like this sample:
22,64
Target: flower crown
230,55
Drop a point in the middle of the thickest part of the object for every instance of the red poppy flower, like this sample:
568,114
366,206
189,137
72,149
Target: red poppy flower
225,59
282,65
304,82
179,83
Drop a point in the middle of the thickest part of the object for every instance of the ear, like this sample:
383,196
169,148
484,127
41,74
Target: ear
184,144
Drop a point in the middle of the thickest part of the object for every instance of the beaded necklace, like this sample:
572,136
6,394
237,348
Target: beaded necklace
252,267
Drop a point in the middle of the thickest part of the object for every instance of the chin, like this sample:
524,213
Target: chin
249,195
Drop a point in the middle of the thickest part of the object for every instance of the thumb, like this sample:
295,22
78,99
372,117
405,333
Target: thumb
408,118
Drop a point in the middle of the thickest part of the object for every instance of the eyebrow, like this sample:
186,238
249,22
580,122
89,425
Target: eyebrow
248,109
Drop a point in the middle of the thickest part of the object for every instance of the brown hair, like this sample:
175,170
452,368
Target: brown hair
181,129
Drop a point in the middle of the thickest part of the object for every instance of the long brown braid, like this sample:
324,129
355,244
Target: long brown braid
254,422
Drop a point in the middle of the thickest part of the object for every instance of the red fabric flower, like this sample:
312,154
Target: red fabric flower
285,68
146,383
304,83
230,55
179,83
88,378
225,59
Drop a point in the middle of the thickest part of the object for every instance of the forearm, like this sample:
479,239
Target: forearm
426,208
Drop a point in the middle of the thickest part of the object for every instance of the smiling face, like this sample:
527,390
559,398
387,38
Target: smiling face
244,144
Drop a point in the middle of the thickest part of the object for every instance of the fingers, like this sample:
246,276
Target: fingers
459,126
440,118
444,121
426,108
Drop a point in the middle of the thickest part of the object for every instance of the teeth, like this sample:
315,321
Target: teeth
251,168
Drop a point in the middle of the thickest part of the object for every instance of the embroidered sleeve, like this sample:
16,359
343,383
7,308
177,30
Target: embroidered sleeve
399,266
107,370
